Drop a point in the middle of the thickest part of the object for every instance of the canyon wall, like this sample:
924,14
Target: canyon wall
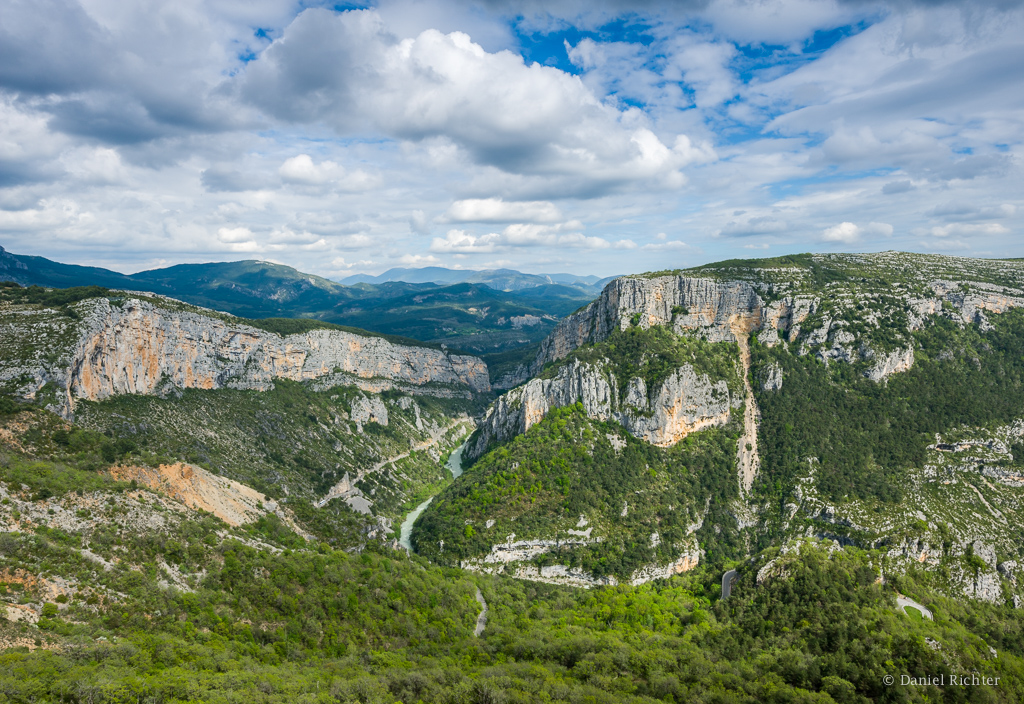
685,402
139,347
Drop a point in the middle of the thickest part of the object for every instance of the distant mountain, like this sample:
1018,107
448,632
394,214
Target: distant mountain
38,271
474,316
500,279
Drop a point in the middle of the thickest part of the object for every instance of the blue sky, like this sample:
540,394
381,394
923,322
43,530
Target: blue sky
590,137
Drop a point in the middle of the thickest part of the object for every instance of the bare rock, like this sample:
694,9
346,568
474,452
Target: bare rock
687,401
893,363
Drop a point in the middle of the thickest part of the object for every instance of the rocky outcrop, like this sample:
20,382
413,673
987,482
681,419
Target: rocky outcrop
892,363
772,378
139,347
686,562
719,310
371,410
513,558
708,306
233,503
685,402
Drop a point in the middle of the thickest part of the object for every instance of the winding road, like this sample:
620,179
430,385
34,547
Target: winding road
902,602
727,579
338,491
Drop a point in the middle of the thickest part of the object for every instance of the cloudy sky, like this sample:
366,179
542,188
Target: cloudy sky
580,136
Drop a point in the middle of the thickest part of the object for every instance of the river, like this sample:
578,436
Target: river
454,465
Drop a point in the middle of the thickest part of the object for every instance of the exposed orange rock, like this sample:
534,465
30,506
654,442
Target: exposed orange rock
228,500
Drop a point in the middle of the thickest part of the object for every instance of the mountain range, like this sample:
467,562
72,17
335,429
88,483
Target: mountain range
783,479
500,279
472,316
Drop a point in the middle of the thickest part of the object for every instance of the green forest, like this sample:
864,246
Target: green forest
863,433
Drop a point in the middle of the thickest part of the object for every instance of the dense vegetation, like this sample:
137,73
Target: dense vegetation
862,433
303,623
565,467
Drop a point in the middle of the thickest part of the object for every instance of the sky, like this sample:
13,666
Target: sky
590,137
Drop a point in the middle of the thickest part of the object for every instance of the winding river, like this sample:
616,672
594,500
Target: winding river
454,465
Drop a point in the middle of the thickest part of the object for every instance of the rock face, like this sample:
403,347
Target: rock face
713,307
893,363
138,347
720,310
513,558
687,401
233,503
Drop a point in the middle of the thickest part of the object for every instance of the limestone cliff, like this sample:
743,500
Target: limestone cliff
138,347
713,307
685,402
780,304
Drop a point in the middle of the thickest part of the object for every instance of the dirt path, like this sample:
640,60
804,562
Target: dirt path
748,461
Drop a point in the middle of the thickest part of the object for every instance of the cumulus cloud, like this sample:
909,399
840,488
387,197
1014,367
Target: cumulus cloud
339,139
498,210
348,70
845,232
303,170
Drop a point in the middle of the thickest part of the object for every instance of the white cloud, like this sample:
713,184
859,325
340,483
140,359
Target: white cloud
302,170
360,136
234,234
346,69
962,229
498,210
671,245
776,21
417,260
521,235
844,232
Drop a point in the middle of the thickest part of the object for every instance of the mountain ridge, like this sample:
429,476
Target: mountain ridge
474,317
502,279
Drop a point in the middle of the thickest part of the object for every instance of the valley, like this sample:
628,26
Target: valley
354,516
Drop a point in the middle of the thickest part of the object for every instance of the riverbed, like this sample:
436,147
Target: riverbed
454,465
